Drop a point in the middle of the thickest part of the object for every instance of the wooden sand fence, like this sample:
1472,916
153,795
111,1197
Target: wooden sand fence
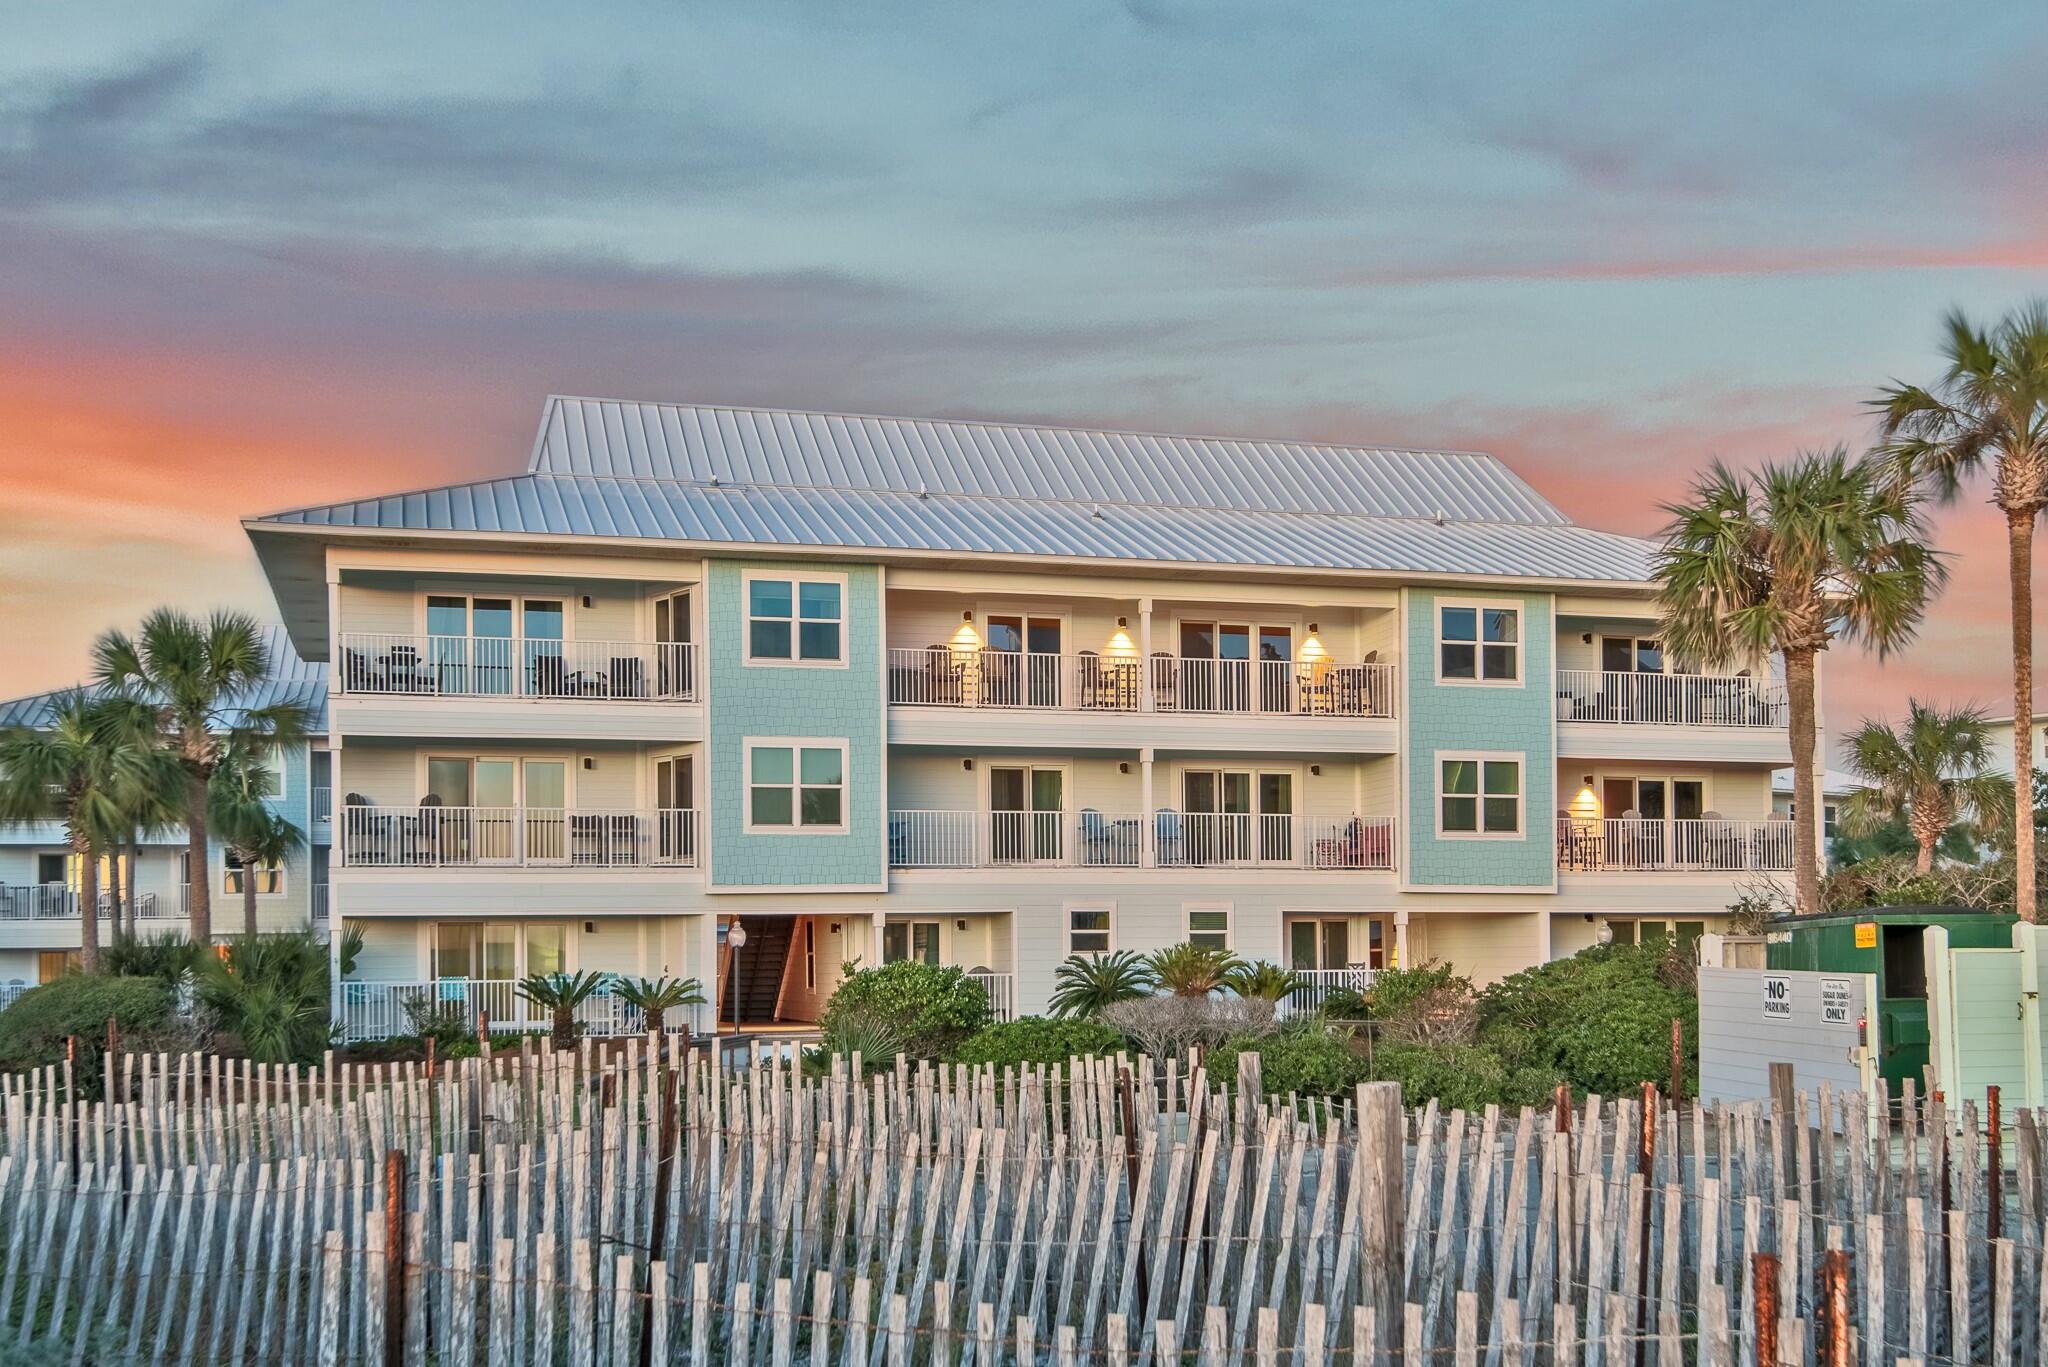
654,1204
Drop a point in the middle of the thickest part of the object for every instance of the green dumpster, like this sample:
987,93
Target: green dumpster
1886,941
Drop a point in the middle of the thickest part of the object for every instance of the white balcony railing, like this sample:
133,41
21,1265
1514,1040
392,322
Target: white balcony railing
501,667
940,676
378,1009
1316,984
55,902
1670,699
1002,993
323,805
320,901
441,837
1093,839
1694,844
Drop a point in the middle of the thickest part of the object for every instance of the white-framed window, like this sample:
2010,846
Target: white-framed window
1479,795
1089,927
796,784
1209,924
795,619
500,950
1827,819
1478,642
917,940
269,877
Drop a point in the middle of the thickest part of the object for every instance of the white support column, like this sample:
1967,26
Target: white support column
1543,953
1401,939
879,919
1145,669
1148,821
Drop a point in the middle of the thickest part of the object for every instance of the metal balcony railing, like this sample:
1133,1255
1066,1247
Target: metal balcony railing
502,667
583,837
1095,839
940,676
1670,699
1693,844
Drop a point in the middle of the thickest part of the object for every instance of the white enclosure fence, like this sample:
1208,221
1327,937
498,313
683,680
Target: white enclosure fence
508,667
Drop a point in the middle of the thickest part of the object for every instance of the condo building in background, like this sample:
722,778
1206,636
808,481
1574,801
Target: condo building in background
989,696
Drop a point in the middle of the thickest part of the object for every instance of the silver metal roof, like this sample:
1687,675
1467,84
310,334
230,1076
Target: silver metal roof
779,448
291,680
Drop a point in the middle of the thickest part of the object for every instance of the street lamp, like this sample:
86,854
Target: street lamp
736,936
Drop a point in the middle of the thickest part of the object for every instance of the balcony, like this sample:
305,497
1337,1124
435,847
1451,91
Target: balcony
491,667
1178,840
1587,695
1691,845
1087,682
55,902
372,1010
1314,986
428,837
323,806
320,900
1002,992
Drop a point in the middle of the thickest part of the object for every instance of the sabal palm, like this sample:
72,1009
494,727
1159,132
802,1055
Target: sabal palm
83,768
258,835
1989,411
197,677
1928,773
1789,559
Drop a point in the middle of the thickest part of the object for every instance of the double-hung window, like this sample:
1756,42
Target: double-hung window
796,785
269,877
1088,929
1479,795
1479,643
796,619
1209,925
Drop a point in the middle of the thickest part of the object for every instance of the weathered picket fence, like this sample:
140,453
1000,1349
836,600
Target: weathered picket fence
655,1204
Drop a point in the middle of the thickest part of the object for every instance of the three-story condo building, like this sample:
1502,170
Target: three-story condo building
992,695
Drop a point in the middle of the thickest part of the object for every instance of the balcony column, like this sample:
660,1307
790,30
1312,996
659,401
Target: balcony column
1543,951
1148,824
1145,685
1401,939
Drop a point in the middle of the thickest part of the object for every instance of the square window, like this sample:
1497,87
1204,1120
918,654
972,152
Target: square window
1209,927
796,785
1479,795
1479,643
795,620
1088,930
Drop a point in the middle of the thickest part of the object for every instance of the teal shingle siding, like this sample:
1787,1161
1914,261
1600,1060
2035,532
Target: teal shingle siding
813,702
1464,718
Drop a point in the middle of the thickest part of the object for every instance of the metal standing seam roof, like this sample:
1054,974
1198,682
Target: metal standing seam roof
758,477
291,680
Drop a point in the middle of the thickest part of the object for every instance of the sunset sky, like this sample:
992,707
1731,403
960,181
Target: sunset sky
256,256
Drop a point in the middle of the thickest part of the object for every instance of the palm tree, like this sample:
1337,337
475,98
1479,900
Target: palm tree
80,768
1927,773
654,998
1788,559
197,676
1990,411
559,994
1262,981
257,834
1191,970
1085,983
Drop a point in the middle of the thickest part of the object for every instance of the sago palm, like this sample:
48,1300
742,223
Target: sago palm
654,998
1192,970
256,833
1790,559
1989,413
197,677
1262,981
1086,983
81,768
1927,773
559,994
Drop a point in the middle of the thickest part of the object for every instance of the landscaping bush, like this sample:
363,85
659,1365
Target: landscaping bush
270,993
1459,1075
170,958
1343,1004
1395,991
926,1009
1037,1040
1601,1019
1308,1061
34,1028
1167,1026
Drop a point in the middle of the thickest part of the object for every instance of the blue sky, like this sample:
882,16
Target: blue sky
265,255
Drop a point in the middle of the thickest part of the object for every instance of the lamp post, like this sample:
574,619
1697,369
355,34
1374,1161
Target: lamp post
736,936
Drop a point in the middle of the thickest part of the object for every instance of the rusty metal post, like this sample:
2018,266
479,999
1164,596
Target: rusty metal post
483,1028
430,1058
1834,1280
1562,1116
1995,1167
394,1258
1763,1272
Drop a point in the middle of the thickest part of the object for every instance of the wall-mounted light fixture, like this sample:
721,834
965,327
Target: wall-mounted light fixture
959,925
1123,767
586,600
1315,771
968,765
1313,628
1586,637
968,615
1122,622
589,763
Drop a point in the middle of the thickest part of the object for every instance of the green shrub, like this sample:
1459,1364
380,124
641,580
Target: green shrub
1344,1004
928,1010
1306,1061
168,957
270,992
1470,1076
1396,990
34,1028
1037,1040
1601,1019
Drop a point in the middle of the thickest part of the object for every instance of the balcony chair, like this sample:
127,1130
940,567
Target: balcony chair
1098,845
549,672
1165,682
402,671
628,677
1166,835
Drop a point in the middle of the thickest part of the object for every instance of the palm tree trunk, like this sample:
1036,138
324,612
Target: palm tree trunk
88,905
119,886
2020,556
565,1027
198,902
1799,688
248,895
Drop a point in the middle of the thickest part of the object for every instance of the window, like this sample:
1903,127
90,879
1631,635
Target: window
1479,795
51,868
491,951
917,940
1209,926
1631,655
1827,819
795,620
796,785
269,877
1479,643
1087,930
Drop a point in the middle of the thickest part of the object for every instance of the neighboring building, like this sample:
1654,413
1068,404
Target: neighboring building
1999,732
1835,788
991,695
39,877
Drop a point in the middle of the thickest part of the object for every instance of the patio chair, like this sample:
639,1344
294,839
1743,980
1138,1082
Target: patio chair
1095,838
1166,835
1165,682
